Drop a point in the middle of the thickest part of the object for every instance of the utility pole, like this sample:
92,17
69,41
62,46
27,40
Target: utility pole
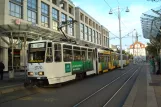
119,18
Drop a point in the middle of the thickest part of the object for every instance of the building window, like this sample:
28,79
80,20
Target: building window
93,24
44,15
71,28
44,21
104,40
32,4
81,16
86,20
63,19
82,31
31,16
100,38
15,8
44,9
63,5
70,9
90,34
32,11
54,2
96,26
86,33
90,22
18,1
107,41
55,18
94,37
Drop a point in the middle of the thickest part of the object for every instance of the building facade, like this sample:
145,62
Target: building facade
90,31
138,50
25,20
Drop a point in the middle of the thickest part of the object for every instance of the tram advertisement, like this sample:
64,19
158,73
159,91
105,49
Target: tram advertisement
77,66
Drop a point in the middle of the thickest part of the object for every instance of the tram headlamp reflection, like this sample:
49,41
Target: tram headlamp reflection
30,73
41,73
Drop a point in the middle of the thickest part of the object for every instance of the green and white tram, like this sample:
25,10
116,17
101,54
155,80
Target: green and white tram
54,62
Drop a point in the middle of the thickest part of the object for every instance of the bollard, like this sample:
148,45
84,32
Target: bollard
11,74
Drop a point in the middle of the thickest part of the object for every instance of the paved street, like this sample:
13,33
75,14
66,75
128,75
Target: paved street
72,93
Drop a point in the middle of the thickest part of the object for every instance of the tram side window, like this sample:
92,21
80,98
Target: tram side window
49,53
90,55
101,58
83,54
57,53
67,53
77,53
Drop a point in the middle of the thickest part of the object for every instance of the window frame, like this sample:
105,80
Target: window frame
13,10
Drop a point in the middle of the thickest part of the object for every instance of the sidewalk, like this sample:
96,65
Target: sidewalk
9,85
146,91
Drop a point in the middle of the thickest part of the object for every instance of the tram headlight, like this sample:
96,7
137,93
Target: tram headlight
30,73
41,73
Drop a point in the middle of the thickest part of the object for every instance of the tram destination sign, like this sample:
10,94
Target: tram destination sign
37,45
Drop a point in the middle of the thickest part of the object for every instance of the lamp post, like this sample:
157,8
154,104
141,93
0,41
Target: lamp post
119,18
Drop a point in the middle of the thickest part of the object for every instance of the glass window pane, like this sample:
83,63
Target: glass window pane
15,10
12,7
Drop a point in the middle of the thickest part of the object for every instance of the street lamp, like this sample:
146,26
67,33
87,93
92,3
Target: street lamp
119,17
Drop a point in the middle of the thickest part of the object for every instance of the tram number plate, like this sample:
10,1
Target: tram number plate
38,77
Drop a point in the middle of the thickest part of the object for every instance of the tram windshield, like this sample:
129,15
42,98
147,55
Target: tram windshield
36,53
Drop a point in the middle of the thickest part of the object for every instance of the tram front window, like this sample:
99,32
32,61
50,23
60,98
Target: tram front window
36,56
36,52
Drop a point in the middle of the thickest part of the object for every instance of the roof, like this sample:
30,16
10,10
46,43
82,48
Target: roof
137,42
30,31
151,22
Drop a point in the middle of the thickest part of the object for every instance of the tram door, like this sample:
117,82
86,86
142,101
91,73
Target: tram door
96,56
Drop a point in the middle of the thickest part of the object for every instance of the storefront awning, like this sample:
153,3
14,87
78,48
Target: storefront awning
30,31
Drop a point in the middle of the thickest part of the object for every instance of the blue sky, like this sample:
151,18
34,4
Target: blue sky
99,10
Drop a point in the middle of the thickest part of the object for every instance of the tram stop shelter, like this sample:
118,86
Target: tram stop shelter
20,33
151,24
151,27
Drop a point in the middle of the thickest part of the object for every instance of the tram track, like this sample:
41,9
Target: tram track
85,100
105,105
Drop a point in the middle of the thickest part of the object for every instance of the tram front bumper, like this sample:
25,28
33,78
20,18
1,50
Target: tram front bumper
35,78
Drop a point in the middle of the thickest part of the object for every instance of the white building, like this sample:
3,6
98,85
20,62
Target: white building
138,50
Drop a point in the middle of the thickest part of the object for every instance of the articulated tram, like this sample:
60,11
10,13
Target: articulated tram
55,62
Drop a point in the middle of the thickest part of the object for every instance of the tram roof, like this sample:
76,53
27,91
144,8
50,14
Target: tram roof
61,42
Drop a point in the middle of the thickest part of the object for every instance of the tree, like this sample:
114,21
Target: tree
153,49
123,51
154,0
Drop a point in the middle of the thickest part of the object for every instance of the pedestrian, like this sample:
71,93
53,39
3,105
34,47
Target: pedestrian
158,63
1,69
152,63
